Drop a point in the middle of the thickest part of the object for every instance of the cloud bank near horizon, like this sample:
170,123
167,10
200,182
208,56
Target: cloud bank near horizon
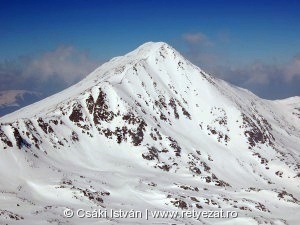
48,72
273,80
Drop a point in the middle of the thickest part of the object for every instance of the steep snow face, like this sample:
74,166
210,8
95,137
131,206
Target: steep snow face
151,131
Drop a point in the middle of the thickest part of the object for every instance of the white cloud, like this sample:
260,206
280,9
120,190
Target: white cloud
197,38
292,69
64,62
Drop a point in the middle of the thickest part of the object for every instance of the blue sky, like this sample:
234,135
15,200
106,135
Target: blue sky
231,39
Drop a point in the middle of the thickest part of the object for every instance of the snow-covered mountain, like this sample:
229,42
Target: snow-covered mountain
150,131
11,100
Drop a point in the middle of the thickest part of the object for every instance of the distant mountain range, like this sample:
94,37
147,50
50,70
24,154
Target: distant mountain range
150,131
12,100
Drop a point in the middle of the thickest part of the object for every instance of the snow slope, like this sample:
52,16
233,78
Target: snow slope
151,131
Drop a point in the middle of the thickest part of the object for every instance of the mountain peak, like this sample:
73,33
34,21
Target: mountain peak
145,50
156,55
150,46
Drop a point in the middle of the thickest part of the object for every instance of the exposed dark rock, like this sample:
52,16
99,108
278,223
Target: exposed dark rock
45,126
180,204
101,111
5,139
175,146
20,142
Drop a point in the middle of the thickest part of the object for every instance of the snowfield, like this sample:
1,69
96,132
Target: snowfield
150,132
